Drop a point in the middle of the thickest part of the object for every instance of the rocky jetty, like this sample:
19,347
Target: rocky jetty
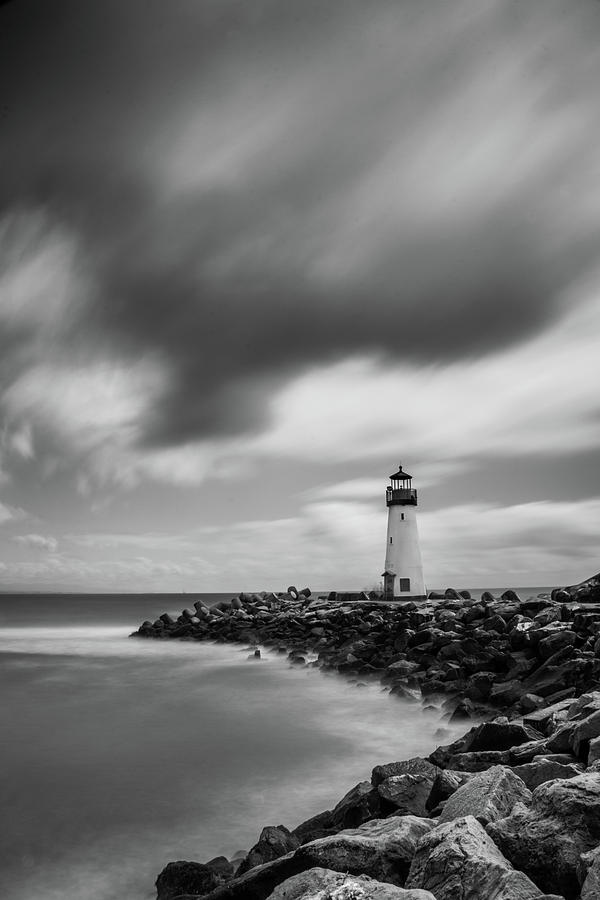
510,811
479,655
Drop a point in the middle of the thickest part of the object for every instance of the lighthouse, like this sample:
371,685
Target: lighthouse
403,575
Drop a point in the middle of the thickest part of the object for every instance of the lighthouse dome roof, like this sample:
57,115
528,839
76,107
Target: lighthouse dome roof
399,475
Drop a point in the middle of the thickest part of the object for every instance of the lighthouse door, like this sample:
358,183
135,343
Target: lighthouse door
388,585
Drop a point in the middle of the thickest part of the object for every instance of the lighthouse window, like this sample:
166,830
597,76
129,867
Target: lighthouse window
405,584
402,516
391,540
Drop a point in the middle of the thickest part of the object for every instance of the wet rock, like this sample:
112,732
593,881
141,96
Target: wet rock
317,826
325,884
274,841
541,770
361,803
587,591
547,839
405,794
183,877
446,782
548,646
588,872
549,716
500,735
479,760
382,848
458,859
414,766
489,796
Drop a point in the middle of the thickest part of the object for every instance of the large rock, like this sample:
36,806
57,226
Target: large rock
183,877
414,766
542,769
274,841
589,874
321,884
488,796
405,794
547,839
587,591
360,804
458,860
500,735
382,848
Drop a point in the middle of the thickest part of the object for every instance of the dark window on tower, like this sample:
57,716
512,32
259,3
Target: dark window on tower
391,541
405,584
402,516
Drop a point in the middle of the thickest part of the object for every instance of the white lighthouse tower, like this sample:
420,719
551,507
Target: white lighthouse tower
403,575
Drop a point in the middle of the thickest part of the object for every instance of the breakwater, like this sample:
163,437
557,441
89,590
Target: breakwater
488,813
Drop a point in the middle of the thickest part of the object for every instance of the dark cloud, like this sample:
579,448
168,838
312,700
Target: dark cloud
321,242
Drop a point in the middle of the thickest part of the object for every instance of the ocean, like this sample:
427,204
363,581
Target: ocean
120,755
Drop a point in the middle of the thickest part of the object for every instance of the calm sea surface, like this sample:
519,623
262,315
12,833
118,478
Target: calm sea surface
119,755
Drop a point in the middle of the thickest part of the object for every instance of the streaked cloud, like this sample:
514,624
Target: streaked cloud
37,542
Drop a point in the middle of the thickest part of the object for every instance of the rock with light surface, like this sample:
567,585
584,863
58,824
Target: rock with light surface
324,884
405,794
546,839
488,796
381,848
458,860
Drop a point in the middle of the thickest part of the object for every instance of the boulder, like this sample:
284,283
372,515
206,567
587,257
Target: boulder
489,796
361,803
479,760
541,719
458,860
500,735
274,841
548,646
325,884
547,839
316,827
183,877
542,769
405,794
382,848
414,766
447,781
587,591
589,874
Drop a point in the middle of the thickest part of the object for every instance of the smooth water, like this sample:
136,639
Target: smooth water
119,755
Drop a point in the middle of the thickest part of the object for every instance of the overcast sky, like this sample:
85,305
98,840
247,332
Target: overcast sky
256,253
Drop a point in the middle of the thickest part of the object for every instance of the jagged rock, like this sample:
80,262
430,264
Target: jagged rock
317,826
479,760
548,646
458,860
587,591
183,877
588,872
381,848
546,839
543,769
405,794
549,716
274,841
414,766
361,803
447,781
488,796
500,735
325,884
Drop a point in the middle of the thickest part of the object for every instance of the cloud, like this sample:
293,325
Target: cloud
37,542
537,398
252,192
11,513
